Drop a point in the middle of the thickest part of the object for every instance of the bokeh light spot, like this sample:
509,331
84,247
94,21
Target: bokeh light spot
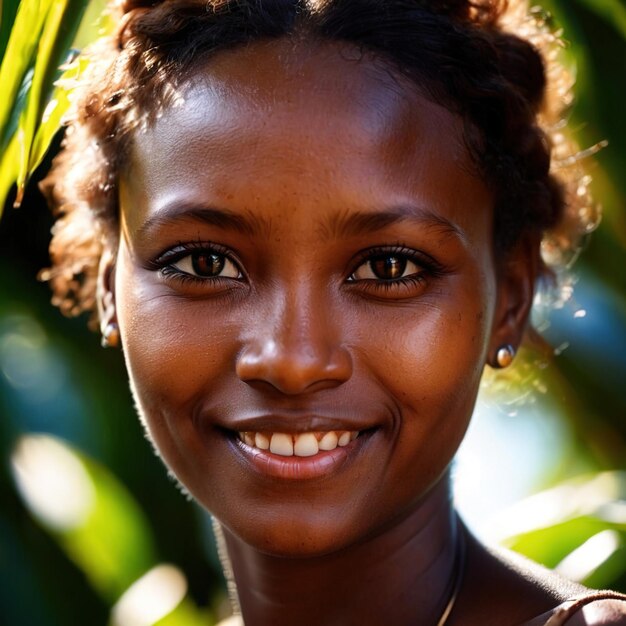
156,594
52,481
582,562
27,360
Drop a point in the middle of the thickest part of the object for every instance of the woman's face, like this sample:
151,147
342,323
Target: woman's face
304,250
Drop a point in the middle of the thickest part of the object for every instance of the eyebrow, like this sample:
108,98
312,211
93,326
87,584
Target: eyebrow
351,224
178,212
341,225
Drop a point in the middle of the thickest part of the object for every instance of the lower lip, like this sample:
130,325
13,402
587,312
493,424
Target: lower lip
319,465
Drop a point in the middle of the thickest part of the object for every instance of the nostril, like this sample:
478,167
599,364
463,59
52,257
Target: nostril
294,371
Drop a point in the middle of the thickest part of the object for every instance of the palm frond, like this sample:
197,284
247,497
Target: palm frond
36,38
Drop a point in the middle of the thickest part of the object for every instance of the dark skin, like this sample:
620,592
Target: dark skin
304,248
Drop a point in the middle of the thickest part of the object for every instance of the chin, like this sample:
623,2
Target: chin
293,536
298,542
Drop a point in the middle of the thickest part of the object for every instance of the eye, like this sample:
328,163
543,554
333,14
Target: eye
206,264
386,267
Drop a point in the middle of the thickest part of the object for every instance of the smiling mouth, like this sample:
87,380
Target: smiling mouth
300,444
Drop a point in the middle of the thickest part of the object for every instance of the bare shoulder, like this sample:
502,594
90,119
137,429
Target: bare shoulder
502,588
505,589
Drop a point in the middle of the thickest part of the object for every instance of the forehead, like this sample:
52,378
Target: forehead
338,124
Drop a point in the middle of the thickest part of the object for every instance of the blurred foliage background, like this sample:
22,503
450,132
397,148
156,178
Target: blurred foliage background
93,531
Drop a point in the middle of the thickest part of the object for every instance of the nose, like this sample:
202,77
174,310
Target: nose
295,351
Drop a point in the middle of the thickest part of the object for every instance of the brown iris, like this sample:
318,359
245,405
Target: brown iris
206,264
388,267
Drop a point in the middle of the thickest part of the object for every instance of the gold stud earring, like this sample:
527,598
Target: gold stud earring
505,355
110,336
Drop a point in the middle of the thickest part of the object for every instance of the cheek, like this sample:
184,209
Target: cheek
438,343
430,361
174,351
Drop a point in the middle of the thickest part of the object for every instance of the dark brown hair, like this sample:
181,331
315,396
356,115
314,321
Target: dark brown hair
488,61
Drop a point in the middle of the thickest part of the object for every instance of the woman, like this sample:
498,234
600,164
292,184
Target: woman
310,225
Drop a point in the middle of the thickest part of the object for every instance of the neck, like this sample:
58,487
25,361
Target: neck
403,575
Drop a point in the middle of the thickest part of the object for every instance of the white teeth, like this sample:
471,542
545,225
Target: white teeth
344,440
261,441
306,445
281,444
328,441
303,444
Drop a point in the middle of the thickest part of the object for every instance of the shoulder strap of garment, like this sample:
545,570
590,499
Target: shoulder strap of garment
567,609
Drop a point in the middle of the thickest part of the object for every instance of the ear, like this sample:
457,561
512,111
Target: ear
105,298
517,274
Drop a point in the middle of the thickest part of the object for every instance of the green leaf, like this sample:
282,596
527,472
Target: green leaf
19,56
8,168
613,11
8,9
56,108
97,21
611,570
98,524
58,33
552,544
579,527
20,102
114,546
187,614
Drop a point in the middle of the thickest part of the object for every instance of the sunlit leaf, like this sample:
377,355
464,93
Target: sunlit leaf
58,33
577,527
594,562
550,545
96,22
115,546
187,614
8,167
52,117
159,598
87,510
39,44
19,56
608,572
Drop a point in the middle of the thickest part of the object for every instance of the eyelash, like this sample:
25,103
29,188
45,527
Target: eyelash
429,267
165,262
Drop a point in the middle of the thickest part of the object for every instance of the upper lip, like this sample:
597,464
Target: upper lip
294,424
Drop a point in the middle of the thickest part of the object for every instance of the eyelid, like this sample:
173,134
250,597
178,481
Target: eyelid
420,258
165,261
183,249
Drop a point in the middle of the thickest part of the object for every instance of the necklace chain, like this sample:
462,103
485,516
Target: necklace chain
459,567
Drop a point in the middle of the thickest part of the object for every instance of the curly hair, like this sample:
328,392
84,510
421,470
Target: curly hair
491,62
